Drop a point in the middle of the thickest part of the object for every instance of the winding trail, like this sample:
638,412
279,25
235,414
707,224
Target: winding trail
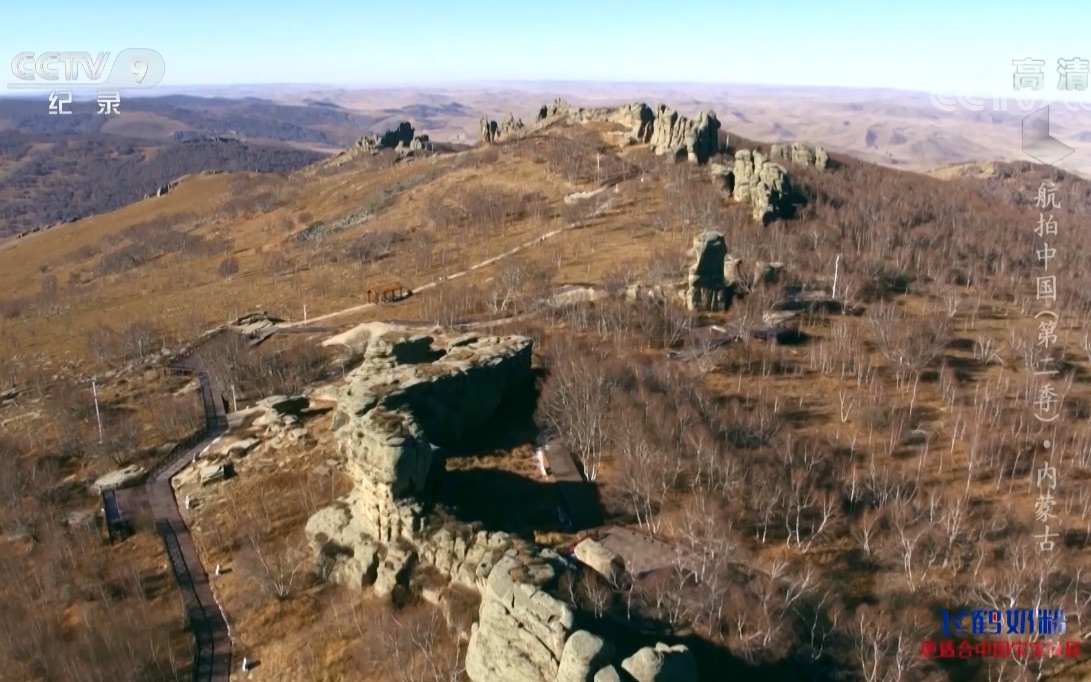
212,641
431,285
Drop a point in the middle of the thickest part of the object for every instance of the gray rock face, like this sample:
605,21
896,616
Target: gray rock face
675,134
121,478
607,674
662,664
521,634
402,140
393,570
491,132
557,107
488,131
600,559
705,289
800,154
761,183
391,413
584,654
666,130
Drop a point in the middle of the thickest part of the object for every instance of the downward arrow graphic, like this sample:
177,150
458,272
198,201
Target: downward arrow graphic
1038,144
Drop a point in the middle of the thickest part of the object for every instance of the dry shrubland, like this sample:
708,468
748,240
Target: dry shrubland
821,499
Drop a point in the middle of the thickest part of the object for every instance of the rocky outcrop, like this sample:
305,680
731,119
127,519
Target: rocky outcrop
763,184
675,134
557,107
584,655
412,396
403,140
666,130
705,288
126,477
662,663
800,154
600,559
491,132
521,633
407,399
419,143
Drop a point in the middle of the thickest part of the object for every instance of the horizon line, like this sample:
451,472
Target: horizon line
1053,96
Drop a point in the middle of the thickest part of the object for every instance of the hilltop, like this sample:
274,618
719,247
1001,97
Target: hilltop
59,168
794,386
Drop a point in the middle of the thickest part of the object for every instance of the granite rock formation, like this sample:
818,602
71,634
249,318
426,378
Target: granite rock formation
492,132
661,663
675,134
403,140
800,154
406,400
412,396
763,184
705,288
500,649
666,130
557,107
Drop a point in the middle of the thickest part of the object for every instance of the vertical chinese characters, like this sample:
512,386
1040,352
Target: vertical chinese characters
1047,401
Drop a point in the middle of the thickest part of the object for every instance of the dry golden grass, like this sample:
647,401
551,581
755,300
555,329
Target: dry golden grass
805,392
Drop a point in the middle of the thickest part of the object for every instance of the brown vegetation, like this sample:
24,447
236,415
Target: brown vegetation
821,500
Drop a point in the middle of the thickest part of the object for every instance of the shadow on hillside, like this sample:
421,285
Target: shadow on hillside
516,504
510,427
714,661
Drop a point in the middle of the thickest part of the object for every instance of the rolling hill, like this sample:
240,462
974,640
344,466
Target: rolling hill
837,442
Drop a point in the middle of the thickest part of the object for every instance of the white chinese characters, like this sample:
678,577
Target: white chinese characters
61,101
1030,74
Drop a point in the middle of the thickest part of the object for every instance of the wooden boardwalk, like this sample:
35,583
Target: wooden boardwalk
212,646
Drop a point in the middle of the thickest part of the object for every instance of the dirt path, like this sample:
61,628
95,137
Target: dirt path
212,645
425,287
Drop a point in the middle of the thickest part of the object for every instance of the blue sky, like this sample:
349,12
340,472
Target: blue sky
961,46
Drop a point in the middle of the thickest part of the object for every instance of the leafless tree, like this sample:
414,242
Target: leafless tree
576,402
411,645
884,646
277,571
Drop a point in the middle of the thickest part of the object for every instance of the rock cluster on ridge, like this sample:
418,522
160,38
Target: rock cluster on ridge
403,140
412,396
762,184
800,154
666,130
492,132
408,398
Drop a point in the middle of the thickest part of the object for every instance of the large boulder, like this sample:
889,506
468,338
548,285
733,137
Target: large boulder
125,477
402,139
705,288
405,399
584,654
762,184
675,134
601,559
521,632
491,131
662,663
607,674
800,154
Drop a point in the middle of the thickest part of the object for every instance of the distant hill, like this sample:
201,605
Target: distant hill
49,178
56,168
